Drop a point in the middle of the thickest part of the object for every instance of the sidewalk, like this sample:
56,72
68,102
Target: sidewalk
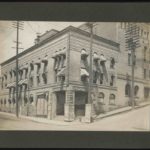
77,122
120,110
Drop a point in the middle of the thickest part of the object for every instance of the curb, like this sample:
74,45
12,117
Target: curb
112,114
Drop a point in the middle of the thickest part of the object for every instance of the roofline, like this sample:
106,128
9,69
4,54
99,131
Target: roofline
67,29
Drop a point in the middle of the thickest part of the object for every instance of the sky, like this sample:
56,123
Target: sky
26,36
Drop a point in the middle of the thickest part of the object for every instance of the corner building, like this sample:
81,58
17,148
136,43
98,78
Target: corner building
54,74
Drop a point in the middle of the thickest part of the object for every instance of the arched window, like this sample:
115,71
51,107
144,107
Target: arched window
127,90
112,99
136,89
101,97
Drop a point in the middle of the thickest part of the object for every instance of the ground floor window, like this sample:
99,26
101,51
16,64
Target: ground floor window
112,99
101,97
127,90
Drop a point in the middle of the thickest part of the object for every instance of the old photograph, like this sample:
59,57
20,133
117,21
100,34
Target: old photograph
74,76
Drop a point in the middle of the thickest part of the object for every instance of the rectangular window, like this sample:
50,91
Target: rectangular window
144,73
31,81
101,78
129,59
38,80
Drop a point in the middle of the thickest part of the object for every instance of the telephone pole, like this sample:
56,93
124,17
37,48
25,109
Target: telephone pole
19,26
90,64
132,42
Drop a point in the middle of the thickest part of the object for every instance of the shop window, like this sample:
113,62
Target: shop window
112,63
136,89
128,90
112,99
101,97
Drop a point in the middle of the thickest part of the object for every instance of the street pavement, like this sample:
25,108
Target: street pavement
134,120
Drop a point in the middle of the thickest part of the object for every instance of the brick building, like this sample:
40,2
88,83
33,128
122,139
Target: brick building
54,73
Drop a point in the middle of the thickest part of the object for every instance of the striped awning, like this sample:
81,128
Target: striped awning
11,85
102,58
95,56
45,59
84,53
84,73
21,82
61,72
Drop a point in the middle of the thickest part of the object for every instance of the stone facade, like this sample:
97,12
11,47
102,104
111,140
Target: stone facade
54,73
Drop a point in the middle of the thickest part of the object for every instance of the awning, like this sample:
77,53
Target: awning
96,57
25,82
84,73
61,72
21,82
84,53
25,66
45,59
54,55
11,85
102,58
62,52
38,62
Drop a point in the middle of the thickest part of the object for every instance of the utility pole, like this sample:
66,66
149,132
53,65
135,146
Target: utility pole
132,42
90,64
18,25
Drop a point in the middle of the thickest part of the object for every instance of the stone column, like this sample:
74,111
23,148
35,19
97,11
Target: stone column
51,105
69,105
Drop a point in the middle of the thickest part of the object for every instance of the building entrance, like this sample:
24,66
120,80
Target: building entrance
41,106
80,101
60,96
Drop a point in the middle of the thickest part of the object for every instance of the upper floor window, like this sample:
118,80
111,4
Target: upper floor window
145,50
112,63
112,80
31,67
144,73
129,59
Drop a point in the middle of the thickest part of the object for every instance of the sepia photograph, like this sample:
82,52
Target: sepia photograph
74,76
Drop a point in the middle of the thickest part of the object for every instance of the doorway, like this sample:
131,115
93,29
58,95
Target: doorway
42,105
80,102
60,96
